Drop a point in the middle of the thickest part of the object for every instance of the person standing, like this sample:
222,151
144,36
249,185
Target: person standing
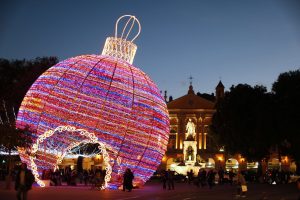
242,185
211,178
164,178
231,175
170,179
99,178
127,180
221,175
199,178
203,177
85,177
190,176
24,181
68,174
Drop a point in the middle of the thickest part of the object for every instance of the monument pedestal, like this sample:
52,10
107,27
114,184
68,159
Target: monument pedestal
189,152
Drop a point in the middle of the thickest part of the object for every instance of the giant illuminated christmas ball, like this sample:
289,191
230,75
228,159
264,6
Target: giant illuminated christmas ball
100,99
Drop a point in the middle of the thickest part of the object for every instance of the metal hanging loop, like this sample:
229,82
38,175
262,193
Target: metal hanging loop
130,22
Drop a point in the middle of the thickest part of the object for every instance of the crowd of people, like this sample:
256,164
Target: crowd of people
95,178
205,177
277,176
24,179
168,179
210,177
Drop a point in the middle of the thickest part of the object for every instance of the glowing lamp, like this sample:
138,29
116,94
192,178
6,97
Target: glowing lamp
100,99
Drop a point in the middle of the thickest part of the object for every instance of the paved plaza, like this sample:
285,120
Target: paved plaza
153,191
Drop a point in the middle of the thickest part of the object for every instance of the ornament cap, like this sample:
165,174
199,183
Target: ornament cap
121,47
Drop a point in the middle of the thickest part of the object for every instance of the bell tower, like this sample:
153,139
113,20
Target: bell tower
219,91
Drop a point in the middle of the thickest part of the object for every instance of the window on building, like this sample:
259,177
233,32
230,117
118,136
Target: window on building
200,140
172,141
204,141
205,138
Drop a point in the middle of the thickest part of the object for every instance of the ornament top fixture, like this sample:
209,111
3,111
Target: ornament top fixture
120,47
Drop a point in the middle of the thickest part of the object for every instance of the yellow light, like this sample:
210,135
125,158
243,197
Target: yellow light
286,159
222,149
176,141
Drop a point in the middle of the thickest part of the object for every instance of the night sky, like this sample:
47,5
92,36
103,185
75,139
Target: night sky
241,41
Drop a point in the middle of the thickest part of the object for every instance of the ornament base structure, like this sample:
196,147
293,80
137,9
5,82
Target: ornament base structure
191,161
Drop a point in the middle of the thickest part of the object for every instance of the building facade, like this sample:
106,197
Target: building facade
192,110
195,112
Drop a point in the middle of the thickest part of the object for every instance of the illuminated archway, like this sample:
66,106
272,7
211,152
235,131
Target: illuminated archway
232,163
210,163
59,153
274,163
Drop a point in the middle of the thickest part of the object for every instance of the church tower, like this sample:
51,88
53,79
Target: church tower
219,91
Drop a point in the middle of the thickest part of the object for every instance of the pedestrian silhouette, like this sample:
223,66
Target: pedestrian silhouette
127,180
24,181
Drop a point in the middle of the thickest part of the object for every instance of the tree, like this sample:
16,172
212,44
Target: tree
287,97
16,77
12,138
243,121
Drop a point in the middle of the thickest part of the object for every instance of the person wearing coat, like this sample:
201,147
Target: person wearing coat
127,180
242,185
24,181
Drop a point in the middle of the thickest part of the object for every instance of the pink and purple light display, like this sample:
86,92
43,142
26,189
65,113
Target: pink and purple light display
105,96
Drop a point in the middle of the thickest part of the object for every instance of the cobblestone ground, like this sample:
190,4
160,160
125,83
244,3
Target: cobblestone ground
153,191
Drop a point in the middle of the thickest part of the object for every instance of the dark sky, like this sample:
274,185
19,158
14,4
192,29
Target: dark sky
237,41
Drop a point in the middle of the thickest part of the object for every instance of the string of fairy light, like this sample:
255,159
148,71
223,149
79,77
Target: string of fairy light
104,96
91,138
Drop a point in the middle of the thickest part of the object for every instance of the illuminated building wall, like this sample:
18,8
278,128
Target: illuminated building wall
200,111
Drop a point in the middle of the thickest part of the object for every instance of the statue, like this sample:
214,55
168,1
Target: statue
190,128
189,154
